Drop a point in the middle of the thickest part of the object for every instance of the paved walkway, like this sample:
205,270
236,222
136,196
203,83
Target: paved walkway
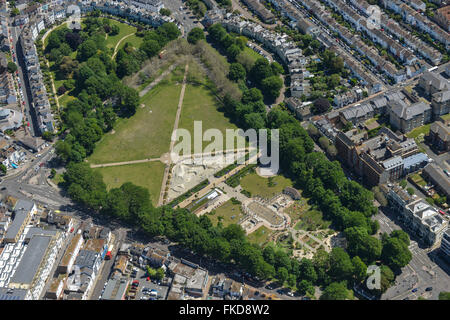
157,80
118,43
172,142
113,164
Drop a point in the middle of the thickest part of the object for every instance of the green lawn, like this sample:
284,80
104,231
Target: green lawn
446,117
258,185
144,135
252,54
125,30
57,179
148,175
134,40
200,104
260,236
425,129
63,100
230,213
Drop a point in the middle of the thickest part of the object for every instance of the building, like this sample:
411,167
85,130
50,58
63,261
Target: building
439,136
405,118
385,157
440,103
71,254
35,266
150,5
56,289
438,178
23,212
258,8
445,245
432,82
115,289
418,217
10,119
442,17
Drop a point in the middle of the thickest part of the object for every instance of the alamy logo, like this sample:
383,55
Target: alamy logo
374,19
262,144
374,280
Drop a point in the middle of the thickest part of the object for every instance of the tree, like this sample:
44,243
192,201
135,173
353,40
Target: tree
14,12
86,50
395,253
165,12
321,105
233,51
3,169
47,136
252,95
159,274
150,47
341,265
12,67
403,183
305,287
195,35
73,39
271,86
282,274
114,30
324,142
359,269
237,72
410,190
61,90
335,291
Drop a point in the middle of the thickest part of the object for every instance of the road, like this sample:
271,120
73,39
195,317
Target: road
183,16
426,269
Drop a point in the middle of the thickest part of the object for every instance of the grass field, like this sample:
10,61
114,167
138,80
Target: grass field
148,175
125,30
425,129
257,185
134,40
144,135
252,54
260,236
446,117
199,104
228,213
63,100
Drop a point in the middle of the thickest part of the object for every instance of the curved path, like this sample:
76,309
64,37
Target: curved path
118,43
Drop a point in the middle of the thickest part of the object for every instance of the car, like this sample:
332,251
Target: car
280,291
290,294
414,290
256,293
429,289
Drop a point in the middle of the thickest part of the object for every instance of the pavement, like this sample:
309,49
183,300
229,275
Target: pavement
426,269
183,16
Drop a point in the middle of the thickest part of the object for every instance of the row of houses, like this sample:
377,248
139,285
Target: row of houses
29,253
418,217
258,8
145,11
81,263
361,24
405,110
418,20
367,78
286,50
392,27
33,74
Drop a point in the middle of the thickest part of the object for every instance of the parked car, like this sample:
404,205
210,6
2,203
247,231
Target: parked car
414,290
429,289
